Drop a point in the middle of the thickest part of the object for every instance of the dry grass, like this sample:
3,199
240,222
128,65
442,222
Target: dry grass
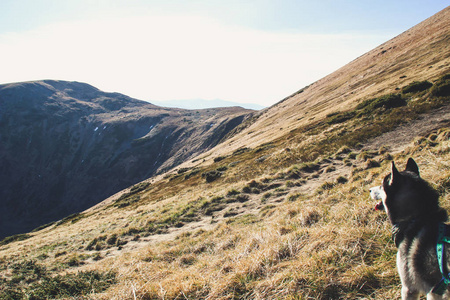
327,244
289,217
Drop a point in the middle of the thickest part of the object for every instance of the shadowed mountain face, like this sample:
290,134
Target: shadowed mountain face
65,146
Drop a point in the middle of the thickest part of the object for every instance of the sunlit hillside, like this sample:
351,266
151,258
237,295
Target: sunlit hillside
280,210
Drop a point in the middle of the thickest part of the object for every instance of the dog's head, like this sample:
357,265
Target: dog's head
405,195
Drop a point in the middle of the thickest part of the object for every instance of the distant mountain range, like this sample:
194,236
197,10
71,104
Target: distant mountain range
204,104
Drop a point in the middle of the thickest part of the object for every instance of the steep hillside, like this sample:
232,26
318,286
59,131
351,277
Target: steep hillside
279,210
420,53
65,146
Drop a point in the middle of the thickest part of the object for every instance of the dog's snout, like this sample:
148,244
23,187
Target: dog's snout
377,193
374,192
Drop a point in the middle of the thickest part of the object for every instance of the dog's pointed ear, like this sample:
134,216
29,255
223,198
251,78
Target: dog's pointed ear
395,174
411,166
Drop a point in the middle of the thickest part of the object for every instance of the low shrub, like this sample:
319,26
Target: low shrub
91,245
213,208
219,158
182,170
14,238
73,218
371,163
293,197
290,184
70,285
330,169
266,196
43,226
340,117
254,187
417,86
232,192
212,175
246,189
33,281
74,261
310,217
241,150
344,150
442,87
191,174
112,239
139,187
230,213
126,200
309,167
294,173
242,198
222,169
387,102
325,187
341,180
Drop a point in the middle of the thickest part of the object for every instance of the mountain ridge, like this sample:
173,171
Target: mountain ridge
387,68
205,104
58,135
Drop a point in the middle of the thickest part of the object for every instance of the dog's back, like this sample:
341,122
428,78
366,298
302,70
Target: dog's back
417,261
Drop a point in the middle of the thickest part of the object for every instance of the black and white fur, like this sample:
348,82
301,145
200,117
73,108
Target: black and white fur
412,206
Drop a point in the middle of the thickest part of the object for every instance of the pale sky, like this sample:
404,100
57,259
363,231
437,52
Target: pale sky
254,51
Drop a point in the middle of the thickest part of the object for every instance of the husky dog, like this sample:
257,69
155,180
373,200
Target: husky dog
413,209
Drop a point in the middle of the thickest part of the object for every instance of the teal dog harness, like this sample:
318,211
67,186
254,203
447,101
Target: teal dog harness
441,287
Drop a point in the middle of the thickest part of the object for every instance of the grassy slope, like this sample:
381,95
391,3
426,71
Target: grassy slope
267,228
289,218
420,53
